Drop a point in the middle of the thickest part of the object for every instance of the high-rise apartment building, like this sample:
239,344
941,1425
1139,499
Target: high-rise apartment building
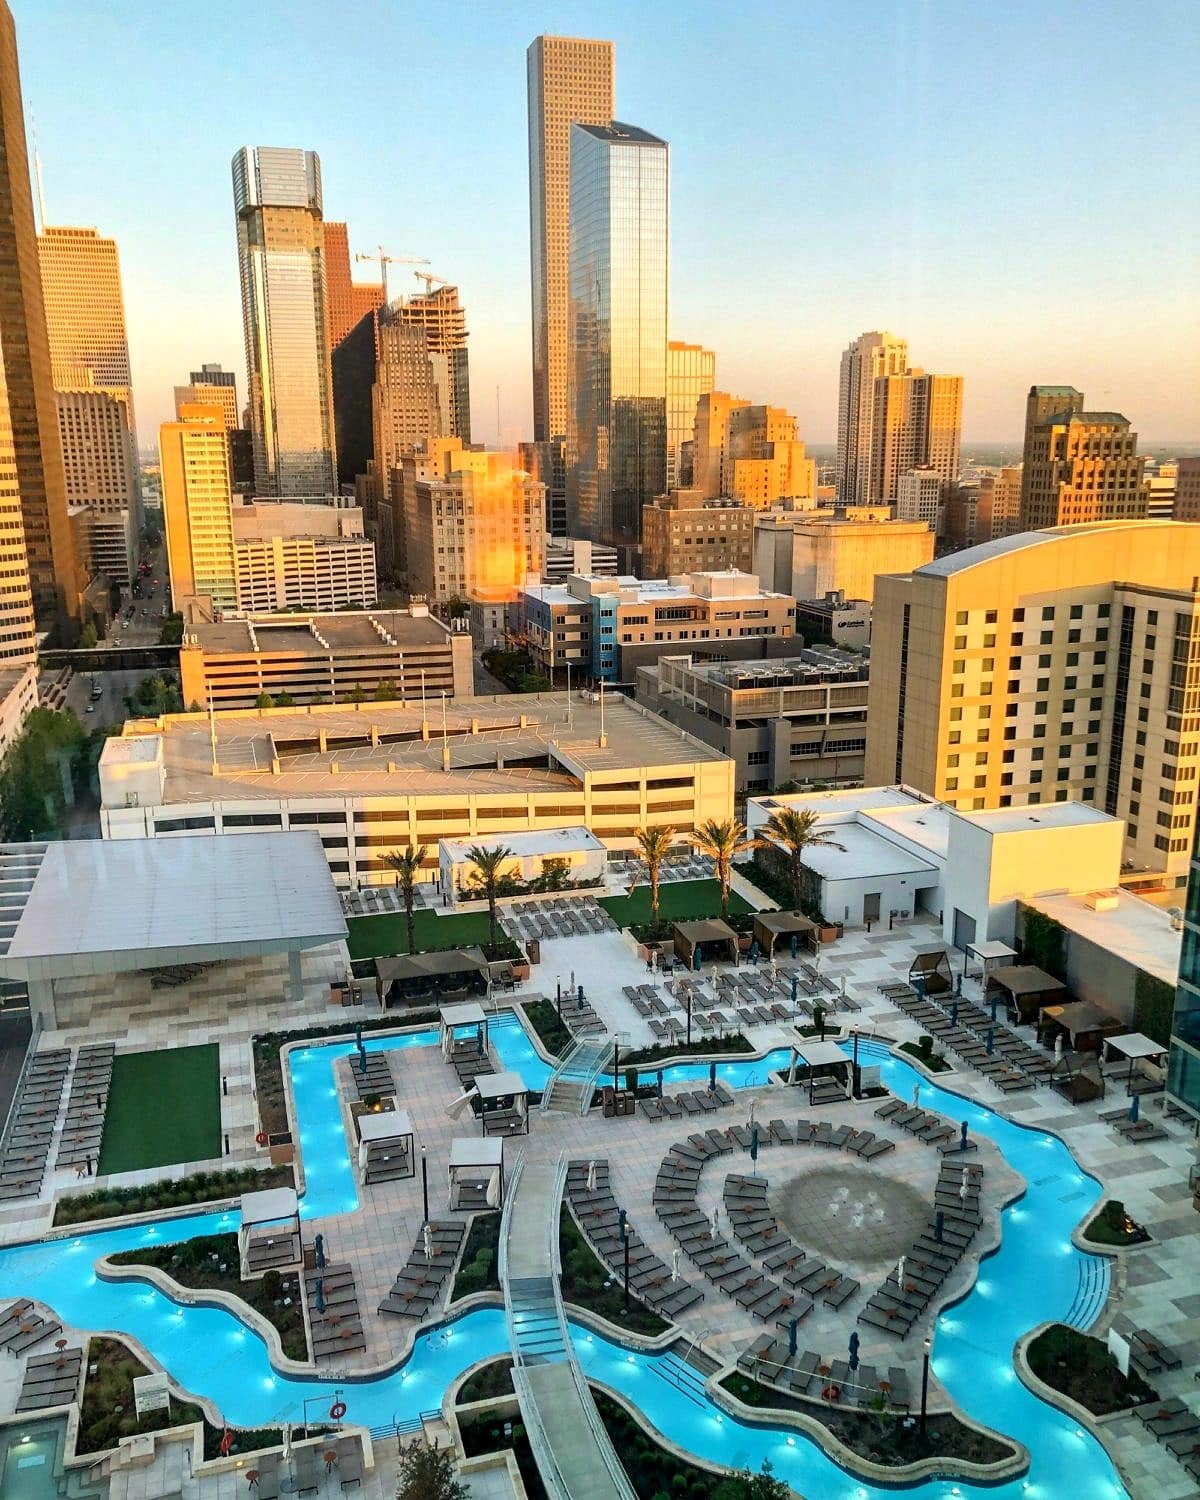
547,463
569,81
281,254
347,302
691,373
18,643
101,472
210,385
892,419
1183,1067
1187,490
1058,665
1078,465
197,498
998,508
54,576
682,532
478,528
919,496
749,453
617,376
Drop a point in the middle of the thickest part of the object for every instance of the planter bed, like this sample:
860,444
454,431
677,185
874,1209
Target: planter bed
202,1187
1076,1365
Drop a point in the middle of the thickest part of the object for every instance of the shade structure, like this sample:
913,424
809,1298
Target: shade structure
932,967
1086,1025
1147,1072
271,1206
989,955
420,974
771,926
1025,989
708,940
476,1172
503,1105
824,1069
385,1145
1077,1077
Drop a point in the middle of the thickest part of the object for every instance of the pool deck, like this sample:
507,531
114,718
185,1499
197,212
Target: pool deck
1154,1287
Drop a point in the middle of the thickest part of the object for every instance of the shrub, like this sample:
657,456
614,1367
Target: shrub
925,1046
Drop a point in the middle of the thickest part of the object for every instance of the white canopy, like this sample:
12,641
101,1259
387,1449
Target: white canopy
820,1054
467,1014
476,1151
991,950
1134,1044
499,1085
385,1126
268,1207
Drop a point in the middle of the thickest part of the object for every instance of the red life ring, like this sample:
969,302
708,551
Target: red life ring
262,1138
831,1392
338,1410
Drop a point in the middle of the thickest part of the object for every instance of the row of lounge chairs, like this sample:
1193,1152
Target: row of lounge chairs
761,1234
1013,1063
1177,1427
34,1113
418,1285
598,1215
933,1256
929,1128
372,1075
302,1474
50,1380
22,1326
339,1328
691,1102
1135,1131
769,1361
580,1016
83,1126
558,917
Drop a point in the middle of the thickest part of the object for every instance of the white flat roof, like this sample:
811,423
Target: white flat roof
268,1206
477,1151
469,1013
1043,815
994,948
497,1085
923,823
1134,1044
113,905
385,1125
1133,930
820,1054
844,801
541,841
864,855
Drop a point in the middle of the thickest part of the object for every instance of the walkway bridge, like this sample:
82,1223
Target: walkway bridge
574,1455
570,1087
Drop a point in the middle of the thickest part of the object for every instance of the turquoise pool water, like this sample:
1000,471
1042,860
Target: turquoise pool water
1036,1275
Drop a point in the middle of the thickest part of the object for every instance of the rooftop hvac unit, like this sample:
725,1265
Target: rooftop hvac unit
1102,900
1176,915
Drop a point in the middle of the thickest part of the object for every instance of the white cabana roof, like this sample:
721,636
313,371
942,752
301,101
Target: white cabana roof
268,1206
467,1014
820,1054
387,1125
476,1151
1134,1044
497,1085
991,950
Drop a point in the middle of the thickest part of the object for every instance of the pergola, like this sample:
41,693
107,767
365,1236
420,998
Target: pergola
277,1212
825,1068
1085,1025
503,1106
988,955
453,1019
770,926
1138,1049
1077,1077
1026,989
695,940
476,1173
386,1140
419,976
931,967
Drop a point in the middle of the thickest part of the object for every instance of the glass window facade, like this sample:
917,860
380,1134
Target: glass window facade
617,377
1183,1073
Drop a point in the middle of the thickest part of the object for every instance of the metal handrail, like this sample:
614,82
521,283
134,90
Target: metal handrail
30,1054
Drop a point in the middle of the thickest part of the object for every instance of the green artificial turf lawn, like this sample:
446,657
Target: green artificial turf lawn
163,1108
678,901
387,932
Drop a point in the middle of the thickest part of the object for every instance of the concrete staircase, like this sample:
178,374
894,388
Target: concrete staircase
570,1087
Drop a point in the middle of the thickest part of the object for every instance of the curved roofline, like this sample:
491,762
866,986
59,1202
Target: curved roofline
985,552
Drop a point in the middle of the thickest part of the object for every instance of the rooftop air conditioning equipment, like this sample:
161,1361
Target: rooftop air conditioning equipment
1102,900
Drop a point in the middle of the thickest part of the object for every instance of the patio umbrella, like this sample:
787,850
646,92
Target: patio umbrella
287,1442
754,950
427,1241
795,988
964,1185
492,1196
795,949
320,1249
854,1349
591,1176
358,1033
696,958
716,1223
995,1002
712,1078
320,1294
1058,1047
750,1120
916,1093
754,1142
362,1055
793,1324
792,1066
1134,1105
954,1012
939,1219
962,1136
900,1273
658,1082
958,979
991,1039
675,1264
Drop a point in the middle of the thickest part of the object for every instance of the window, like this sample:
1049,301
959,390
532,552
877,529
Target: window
1077,611
1047,637
758,757
961,617
1018,614
1048,612
989,617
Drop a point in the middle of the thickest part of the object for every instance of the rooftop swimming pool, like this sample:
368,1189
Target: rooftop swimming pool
1036,1275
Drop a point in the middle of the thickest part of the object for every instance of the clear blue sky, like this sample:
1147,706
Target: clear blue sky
1012,187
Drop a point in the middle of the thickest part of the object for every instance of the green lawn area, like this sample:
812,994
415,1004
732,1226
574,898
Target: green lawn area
163,1108
678,901
387,932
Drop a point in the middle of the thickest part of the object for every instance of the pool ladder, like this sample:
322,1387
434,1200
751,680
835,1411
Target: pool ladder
687,1381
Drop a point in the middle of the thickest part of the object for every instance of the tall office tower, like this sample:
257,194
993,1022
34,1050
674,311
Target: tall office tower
18,641
210,385
198,507
749,453
1079,465
347,302
53,572
691,373
85,312
439,314
870,356
569,81
101,472
998,510
1183,1064
1187,490
281,254
1058,665
617,375
547,463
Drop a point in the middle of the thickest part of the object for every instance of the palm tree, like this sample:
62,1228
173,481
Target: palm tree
407,866
488,864
793,831
653,844
722,842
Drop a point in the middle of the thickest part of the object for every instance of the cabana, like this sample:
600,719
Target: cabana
825,1068
1147,1061
770,926
1084,1024
930,972
503,1103
453,1020
989,955
476,1173
275,1214
701,942
1025,990
385,1146
415,977
1077,1077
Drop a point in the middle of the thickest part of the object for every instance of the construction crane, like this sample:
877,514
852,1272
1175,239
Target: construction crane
430,280
383,261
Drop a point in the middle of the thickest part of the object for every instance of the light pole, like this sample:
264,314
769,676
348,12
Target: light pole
625,1239
855,1076
425,1183
688,992
928,1346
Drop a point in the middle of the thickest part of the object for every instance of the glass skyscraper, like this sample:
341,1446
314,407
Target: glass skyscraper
281,249
1183,1072
617,368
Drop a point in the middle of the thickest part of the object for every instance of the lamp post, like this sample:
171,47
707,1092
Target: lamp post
855,1076
688,992
928,1346
625,1239
425,1183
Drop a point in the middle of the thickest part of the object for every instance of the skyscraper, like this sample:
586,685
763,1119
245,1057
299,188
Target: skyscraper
85,312
281,253
1183,1070
347,301
691,373
1079,465
210,385
18,644
749,453
617,376
53,573
569,80
870,356
198,507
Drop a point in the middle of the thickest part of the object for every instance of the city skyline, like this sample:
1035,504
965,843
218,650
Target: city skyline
943,228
